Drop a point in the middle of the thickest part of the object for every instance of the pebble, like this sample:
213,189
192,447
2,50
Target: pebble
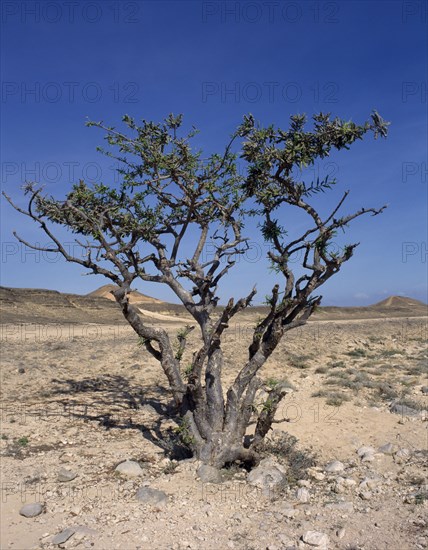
388,449
424,389
403,453
316,474
303,495
62,537
367,454
370,483
129,468
66,475
147,495
31,510
335,466
340,533
316,538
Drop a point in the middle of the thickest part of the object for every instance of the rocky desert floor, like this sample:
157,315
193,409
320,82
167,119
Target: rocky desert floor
79,399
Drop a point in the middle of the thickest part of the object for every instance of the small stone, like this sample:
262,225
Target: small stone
340,533
316,538
147,495
21,370
149,409
129,468
424,390
366,495
62,537
267,475
403,453
31,510
388,449
334,467
66,475
208,474
370,483
365,450
303,495
316,474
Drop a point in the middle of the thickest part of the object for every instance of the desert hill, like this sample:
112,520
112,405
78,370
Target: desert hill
134,297
30,305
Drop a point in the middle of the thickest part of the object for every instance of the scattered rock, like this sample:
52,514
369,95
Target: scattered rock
388,449
62,537
370,483
316,474
340,533
147,495
149,409
66,475
129,468
366,495
367,454
303,495
424,389
208,474
365,450
403,454
21,370
31,510
334,467
268,475
404,410
316,538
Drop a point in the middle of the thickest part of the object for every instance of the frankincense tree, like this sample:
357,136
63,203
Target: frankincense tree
168,194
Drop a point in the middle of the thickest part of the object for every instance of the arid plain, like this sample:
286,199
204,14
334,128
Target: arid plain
79,395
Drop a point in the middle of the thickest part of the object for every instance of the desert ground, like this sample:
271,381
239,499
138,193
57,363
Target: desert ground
80,396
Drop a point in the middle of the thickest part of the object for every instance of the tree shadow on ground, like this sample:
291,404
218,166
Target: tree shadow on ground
111,399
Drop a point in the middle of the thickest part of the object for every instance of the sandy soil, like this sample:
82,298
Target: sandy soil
86,397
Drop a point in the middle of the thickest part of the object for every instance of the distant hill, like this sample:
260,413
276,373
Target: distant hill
31,305
394,306
135,297
399,302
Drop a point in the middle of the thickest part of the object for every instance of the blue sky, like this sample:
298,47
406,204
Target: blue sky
215,61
